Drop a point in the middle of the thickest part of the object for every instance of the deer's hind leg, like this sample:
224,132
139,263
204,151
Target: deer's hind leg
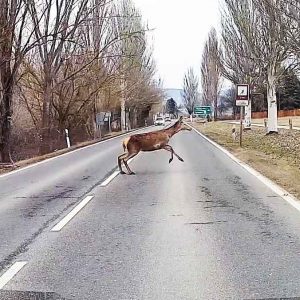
126,159
120,158
170,149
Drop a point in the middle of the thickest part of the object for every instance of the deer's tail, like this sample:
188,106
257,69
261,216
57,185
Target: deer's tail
125,142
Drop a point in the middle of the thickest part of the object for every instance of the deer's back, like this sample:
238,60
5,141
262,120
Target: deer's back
150,141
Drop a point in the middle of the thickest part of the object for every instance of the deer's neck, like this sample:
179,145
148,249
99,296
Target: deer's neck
170,132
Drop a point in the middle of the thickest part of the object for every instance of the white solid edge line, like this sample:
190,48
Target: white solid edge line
70,152
269,183
72,214
11,272
112,176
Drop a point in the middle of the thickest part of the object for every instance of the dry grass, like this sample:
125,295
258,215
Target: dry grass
275,156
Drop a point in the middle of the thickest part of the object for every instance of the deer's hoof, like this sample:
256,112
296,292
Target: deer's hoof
181,159
131,173
122,172
170,160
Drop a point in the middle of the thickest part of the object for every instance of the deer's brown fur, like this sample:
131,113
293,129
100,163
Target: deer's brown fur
150,141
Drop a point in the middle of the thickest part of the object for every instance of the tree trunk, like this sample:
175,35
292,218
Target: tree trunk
215,109
272,104
123,103
135,118
6,130
45,130
6,112
248,116
123,115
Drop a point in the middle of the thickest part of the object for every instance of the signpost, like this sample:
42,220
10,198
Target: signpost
242,95
242,100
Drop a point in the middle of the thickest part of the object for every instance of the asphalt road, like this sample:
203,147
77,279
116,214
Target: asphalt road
202,229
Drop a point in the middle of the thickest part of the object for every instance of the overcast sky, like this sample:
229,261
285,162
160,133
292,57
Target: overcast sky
180,30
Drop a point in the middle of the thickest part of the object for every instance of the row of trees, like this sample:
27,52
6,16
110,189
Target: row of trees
62,61
258,44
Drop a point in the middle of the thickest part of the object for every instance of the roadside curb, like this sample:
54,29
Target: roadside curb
69,151
292,200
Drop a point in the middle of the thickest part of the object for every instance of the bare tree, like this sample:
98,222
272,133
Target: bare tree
260,30
210,72
236,60
227,101
109,41
135,63
57,32
15,41
190,92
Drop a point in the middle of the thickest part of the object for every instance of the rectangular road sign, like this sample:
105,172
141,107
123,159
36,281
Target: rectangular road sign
242,95
203,110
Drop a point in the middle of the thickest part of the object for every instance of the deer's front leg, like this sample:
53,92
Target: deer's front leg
170,149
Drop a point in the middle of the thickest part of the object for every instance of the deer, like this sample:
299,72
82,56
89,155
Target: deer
150,141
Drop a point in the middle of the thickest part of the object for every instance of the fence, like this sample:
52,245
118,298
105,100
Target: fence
281,114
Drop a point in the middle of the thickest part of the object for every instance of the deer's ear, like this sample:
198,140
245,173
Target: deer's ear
180,119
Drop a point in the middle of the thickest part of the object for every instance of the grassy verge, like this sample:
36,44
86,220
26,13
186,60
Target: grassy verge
275,156
24,163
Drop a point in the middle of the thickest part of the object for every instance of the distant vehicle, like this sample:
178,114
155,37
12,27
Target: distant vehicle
168,119
159,121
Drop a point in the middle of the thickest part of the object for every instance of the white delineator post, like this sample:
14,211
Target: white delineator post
67,138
